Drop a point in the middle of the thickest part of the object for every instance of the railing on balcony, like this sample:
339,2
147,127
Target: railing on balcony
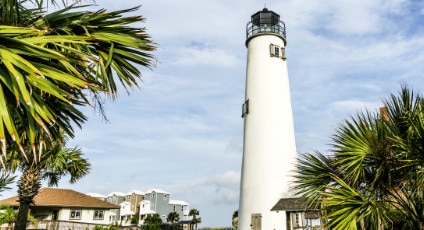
253,29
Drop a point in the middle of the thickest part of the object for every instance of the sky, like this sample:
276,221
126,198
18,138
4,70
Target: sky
182,131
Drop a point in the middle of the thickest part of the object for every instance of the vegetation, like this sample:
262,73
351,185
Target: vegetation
374,177
52,65
234,220
152,222
166,226
98,227
173,217
194,213
8,216
55,162
135,218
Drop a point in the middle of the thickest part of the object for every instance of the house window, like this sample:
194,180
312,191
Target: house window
174,208
98,215
182,208
75,215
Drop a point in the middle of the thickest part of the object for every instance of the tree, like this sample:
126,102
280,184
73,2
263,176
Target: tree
54,64
173,217
194,213
135,218
152,222
234,220
373,177
8,215
56,161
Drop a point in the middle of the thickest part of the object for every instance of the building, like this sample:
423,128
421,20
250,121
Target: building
130,206
269,148
298,216
54,204
180,207
115,198
134,197
158,201
97,195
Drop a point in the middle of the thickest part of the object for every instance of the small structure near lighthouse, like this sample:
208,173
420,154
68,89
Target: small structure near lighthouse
269,148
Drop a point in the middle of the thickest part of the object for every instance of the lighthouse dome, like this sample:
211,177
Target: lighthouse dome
265,22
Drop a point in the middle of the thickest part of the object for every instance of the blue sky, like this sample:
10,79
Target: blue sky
182,131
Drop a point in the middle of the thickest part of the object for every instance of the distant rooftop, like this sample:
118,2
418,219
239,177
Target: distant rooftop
96,195
179,202
116,194
157,191
135,192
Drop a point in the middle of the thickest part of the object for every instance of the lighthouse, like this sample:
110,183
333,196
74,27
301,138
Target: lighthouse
269,148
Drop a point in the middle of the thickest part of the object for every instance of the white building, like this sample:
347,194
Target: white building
53,205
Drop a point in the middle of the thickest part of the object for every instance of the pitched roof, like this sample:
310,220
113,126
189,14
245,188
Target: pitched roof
290,204
116,194
55,197
96,195
137,192
295,204
179,202
157,191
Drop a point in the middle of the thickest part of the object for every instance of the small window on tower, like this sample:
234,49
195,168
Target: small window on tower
277,51
245,108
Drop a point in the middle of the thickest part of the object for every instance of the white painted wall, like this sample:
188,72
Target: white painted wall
269,151
86,216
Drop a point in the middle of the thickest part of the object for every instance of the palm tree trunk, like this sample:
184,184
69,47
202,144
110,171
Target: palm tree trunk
21,220
28,186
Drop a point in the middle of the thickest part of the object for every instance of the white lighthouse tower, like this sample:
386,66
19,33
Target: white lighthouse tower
269,151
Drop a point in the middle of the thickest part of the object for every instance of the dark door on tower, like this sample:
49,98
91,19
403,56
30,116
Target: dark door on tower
256,221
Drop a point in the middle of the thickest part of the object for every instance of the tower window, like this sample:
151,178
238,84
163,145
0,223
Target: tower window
277,51
245,108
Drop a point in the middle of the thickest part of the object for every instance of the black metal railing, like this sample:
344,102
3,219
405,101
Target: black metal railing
253,29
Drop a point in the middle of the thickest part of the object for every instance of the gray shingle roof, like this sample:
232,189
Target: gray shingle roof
290,204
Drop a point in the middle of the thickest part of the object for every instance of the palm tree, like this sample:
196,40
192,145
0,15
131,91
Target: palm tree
8,215
152,222
53,64
173,217
56,162
194,213
5,180
373,178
